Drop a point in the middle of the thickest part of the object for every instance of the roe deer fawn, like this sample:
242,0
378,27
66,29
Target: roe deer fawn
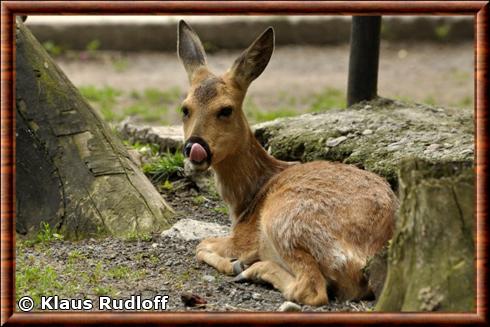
299,227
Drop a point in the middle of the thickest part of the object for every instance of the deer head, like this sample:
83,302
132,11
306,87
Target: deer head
215,126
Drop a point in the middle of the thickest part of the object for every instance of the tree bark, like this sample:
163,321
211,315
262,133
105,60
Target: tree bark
71,172
431,260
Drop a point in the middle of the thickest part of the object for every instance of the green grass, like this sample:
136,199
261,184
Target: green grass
134,236
257,115
165,167
75,256
328,99
105,99
155,96
221,209
151,105
198,200
34,281
119,272
147,113
465,102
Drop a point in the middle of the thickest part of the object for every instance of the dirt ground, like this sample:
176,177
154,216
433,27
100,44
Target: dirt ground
431,73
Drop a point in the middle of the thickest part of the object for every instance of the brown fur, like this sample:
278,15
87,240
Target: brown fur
300,227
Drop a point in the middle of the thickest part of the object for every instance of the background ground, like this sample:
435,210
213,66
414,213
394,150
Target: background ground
150,86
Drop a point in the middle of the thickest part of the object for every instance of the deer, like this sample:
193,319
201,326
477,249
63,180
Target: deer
305,228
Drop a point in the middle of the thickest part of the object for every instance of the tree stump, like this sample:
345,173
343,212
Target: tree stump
71,172
431,259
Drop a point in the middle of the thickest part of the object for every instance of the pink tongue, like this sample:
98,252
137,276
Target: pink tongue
198,153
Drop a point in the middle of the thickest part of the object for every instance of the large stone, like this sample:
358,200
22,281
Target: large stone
190,229
398,131
168,138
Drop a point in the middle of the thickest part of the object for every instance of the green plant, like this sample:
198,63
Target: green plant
45,235
167,185
166,167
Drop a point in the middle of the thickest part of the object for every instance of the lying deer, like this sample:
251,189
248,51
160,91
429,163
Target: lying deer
299,227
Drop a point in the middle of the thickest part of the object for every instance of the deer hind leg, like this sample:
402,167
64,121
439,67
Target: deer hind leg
305,284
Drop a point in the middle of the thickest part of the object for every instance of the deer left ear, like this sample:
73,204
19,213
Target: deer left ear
190,49
252,62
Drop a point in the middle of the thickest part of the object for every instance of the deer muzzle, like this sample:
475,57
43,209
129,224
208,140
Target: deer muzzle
197,150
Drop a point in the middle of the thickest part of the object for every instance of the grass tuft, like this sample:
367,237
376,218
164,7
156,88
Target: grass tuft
166,167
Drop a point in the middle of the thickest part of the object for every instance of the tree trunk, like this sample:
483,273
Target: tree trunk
71,172
431,260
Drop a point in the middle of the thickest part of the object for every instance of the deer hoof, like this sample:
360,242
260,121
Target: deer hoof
237,267
240,278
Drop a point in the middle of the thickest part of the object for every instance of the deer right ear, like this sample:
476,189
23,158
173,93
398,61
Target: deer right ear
190,49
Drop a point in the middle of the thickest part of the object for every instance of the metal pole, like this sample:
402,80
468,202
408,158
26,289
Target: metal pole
364,59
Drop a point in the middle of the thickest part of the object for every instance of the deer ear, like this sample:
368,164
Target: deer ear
252,62
190,49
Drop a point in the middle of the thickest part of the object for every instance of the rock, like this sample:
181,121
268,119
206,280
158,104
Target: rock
209,278
433,147
335,141
367,132
256,296
289,307
154,245
190,229
168,138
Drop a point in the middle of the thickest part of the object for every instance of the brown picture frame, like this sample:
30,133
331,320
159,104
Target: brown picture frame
9,9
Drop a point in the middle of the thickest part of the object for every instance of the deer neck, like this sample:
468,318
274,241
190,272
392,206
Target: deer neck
239,178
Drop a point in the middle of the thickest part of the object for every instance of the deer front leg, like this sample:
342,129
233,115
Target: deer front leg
220,253
215,252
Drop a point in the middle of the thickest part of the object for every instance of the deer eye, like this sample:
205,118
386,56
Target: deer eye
225,112
185,112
